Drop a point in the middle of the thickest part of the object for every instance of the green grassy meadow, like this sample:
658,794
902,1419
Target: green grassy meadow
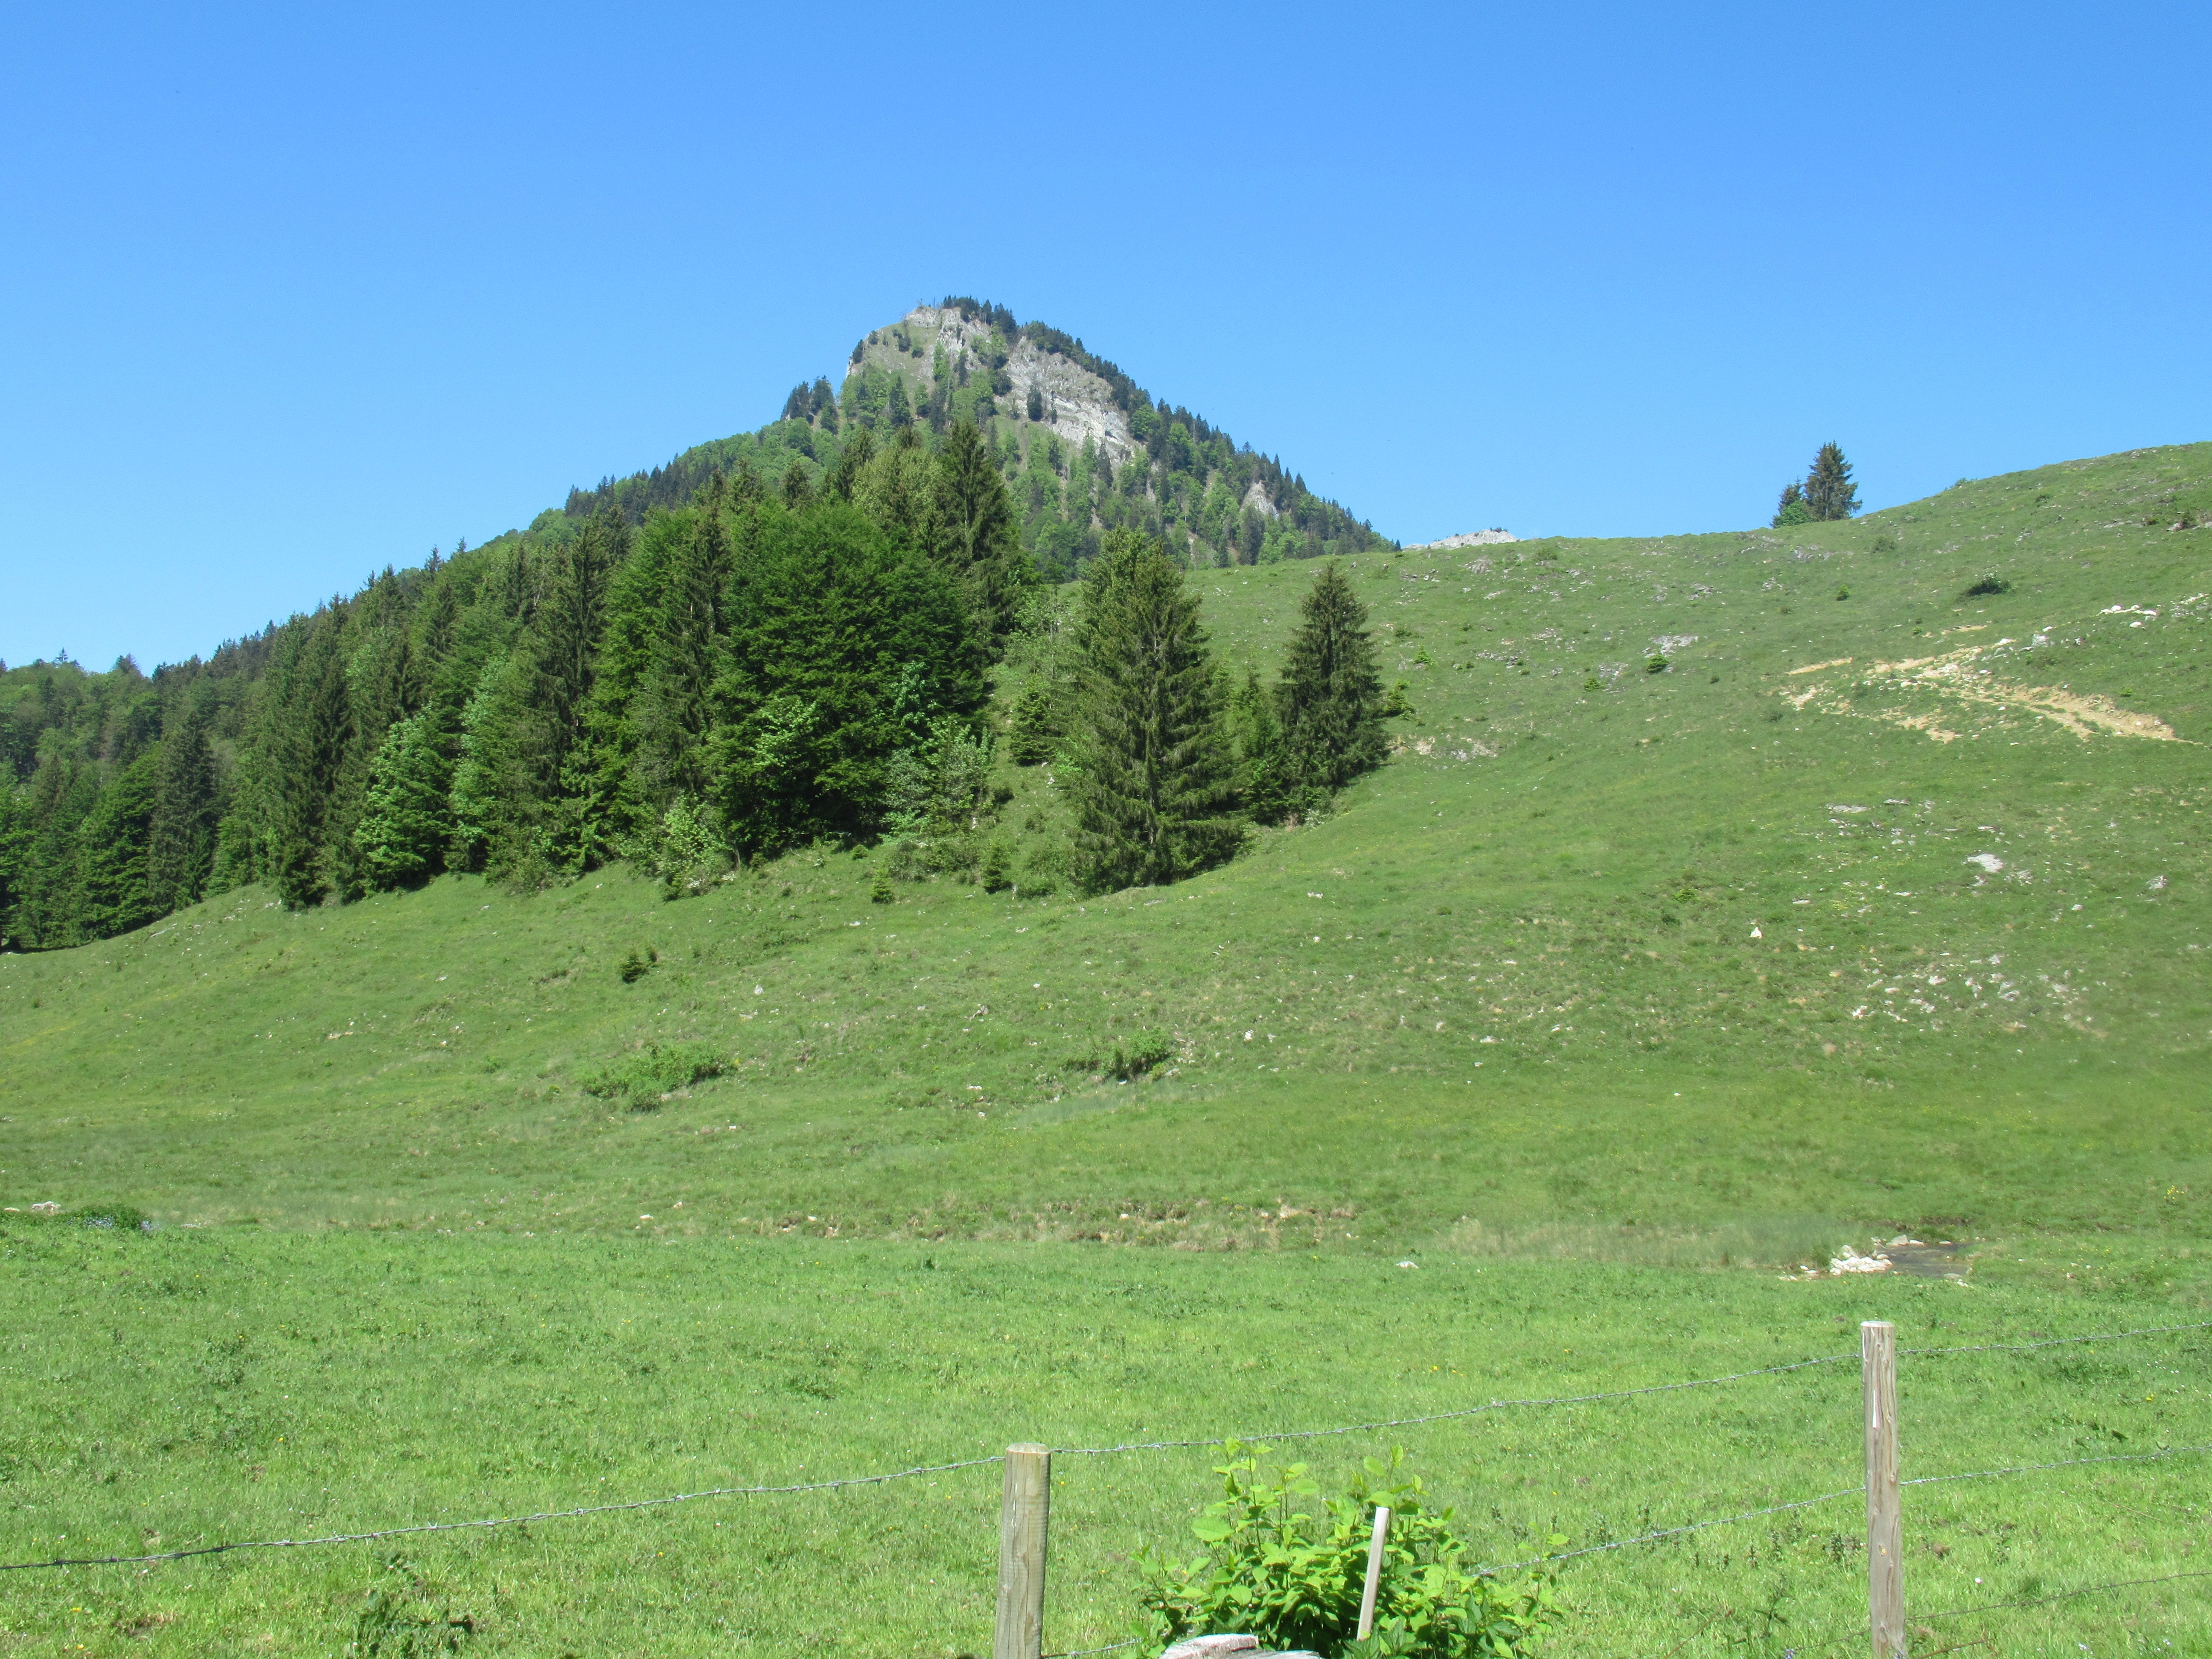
1615,996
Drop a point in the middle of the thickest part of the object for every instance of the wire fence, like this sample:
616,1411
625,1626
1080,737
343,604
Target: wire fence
1549,1559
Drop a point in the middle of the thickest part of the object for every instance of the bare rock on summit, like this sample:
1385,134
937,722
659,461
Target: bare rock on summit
1466,539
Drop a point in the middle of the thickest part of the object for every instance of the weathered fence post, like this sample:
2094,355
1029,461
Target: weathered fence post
1374,1571
1884,1521
1023,1510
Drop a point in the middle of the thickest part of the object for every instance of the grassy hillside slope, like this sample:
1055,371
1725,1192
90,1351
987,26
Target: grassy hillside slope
1882,905
1878,905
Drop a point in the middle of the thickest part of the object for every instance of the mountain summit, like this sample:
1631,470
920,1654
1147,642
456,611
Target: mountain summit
1083,447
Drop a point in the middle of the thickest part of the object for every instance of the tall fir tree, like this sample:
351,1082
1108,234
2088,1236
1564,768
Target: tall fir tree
17,834
318,724
677,716
407,820
1154,787
572,813
180,848
1331,696
1829,492
114,893
853,458
975,537
1265,784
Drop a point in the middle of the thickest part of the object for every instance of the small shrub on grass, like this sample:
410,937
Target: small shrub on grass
1983,586
643,1077
393,1627
1129,1057
880,890
635,967
1284,1564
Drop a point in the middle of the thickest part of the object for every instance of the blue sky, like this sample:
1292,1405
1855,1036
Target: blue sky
290,293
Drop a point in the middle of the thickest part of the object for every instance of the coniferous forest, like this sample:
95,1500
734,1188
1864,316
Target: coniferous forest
787,637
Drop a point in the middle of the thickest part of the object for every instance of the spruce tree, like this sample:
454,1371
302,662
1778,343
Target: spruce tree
678,711
407,821
1829,492
1791,508
181,850
975,536
1153,790
113,895
1331,696
1037,728
851,461
564,651
318,723
1265,782
16,831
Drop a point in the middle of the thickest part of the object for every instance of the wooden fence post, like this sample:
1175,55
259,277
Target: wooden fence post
1374,1571
1023,1510
1885,1520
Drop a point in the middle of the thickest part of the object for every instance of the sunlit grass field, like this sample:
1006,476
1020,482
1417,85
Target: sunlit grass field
188,1387
1616,995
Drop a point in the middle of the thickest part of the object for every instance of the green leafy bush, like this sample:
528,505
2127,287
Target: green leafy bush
1983,586
635,966
644,1076
1288,1569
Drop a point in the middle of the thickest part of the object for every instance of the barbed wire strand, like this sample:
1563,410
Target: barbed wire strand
1111,1646
2066,1463
1179,1445
1441,1416
1829,1497
1618,1394
2056,1341
2065,1595
2003,1606
1675,1532
501,1521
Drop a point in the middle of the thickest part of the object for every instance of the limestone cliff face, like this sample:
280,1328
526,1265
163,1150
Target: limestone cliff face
937,348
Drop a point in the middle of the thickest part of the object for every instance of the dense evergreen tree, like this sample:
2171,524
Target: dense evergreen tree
1266,783
1036,726
310,754
181,850
1829,492
571,807
976,538
1331,696
1153,787
407,822
114,895
844,476
16,836
676,714
1791,508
